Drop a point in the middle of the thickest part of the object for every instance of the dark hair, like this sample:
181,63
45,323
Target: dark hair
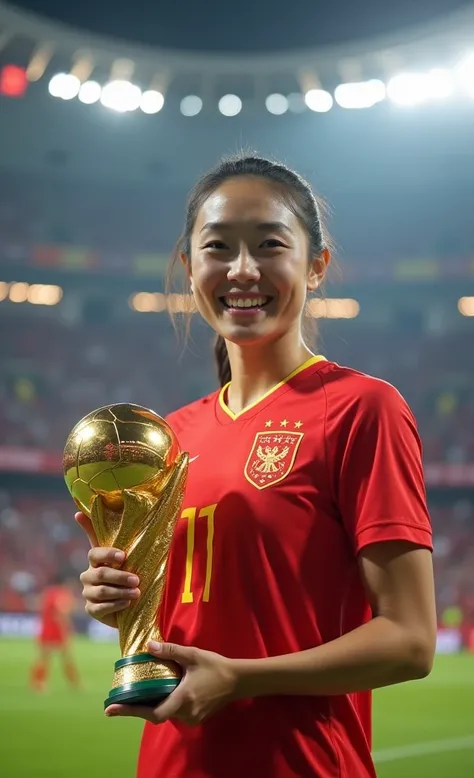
298,195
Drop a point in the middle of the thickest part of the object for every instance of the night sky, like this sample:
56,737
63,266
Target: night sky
245,25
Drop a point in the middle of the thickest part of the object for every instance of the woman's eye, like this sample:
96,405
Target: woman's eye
215,244
271,243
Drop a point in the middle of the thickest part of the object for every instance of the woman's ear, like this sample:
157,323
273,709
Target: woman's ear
317,270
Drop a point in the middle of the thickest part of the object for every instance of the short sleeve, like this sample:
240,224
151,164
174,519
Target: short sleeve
379,483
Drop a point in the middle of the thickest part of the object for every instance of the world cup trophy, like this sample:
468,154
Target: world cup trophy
125,470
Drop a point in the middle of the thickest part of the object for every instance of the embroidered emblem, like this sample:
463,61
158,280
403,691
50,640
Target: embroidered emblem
272,457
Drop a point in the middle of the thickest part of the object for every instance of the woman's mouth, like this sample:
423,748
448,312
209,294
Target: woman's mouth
244,304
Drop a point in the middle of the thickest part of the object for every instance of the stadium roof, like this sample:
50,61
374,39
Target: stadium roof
246,26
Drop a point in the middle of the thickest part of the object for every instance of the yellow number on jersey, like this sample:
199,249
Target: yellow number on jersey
190,514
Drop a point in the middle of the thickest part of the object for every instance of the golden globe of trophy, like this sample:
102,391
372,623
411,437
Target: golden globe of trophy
124,469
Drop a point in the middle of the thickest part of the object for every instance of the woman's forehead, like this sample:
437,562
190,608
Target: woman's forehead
245,200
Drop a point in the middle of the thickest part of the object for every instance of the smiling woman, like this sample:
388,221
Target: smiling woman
300,575
254,245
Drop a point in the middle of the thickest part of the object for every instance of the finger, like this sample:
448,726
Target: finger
183,655
86,524
100,555
95,576
173,707
135,711
102,609
104,593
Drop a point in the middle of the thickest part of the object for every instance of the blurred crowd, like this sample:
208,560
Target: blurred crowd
54,373
39,538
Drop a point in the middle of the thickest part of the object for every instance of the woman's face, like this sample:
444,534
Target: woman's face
250,268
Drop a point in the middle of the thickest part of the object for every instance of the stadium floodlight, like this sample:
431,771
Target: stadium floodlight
18,292
152,101
230,105
277,104
466,306
410,89
465,74
90,92
121,96
4,289
191,105
440,84
363,94
64,85
319,100
332,308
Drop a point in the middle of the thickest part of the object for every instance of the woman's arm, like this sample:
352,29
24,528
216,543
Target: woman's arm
397,645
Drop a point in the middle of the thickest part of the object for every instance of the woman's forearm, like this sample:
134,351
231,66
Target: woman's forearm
379,653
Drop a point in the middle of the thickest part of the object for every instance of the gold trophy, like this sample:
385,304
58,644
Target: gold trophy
124,469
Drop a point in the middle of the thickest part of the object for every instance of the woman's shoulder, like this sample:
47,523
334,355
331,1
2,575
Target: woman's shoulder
351,394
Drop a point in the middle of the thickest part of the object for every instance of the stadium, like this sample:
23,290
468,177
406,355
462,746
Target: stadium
105,125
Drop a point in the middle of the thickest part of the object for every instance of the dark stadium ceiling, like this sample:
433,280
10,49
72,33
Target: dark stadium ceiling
244,26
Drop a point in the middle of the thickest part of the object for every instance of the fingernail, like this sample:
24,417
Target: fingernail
133,580
153,645
119,556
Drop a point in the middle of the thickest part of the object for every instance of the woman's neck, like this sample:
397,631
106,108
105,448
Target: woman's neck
257,369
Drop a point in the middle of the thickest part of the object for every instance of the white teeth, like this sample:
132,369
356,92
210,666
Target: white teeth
247,302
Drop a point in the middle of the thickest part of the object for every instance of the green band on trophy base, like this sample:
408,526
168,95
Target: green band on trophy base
136,659
142,692
141,679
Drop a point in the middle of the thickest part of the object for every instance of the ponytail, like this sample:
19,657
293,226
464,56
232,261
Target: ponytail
222,360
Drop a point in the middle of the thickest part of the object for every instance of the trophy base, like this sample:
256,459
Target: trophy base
142,679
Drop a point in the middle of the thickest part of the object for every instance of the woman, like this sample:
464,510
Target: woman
300,575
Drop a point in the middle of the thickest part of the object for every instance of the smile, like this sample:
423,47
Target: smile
252,302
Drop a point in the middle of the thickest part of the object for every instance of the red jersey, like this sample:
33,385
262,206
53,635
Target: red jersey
56,605
279,501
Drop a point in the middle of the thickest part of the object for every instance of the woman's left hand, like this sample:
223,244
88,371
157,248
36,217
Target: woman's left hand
209,683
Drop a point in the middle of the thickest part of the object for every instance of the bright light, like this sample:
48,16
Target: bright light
277,104
333,308
44,294
465,73
296,102
64,85
410,89
155,302
230,105
364,94
440,83
121,96
318,100
4,287
152,101
191,105
90,92
148,302
18,292
466,306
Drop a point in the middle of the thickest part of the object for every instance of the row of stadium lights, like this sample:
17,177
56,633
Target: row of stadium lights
37,294
405,89
157,302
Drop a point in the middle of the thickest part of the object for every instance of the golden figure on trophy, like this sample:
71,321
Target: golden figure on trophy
124,468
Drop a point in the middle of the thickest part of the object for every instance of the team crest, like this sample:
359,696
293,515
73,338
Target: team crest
272,457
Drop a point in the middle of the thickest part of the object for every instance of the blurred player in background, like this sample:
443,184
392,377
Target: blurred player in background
56,630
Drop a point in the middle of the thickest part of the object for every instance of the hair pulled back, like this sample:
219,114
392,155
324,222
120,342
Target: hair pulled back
297,194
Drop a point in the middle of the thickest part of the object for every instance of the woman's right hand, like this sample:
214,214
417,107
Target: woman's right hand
106,588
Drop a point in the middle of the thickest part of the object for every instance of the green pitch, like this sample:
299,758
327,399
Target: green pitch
422,730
